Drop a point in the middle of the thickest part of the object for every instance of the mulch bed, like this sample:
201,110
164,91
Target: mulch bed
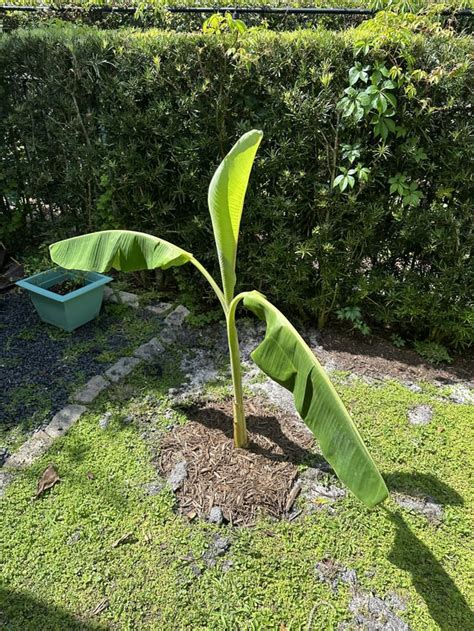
378,357
242,482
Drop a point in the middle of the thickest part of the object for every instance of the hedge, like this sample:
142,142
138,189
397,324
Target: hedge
114,129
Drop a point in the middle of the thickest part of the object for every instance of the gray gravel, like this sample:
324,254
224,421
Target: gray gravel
38,359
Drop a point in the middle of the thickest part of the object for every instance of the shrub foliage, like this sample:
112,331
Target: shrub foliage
360,196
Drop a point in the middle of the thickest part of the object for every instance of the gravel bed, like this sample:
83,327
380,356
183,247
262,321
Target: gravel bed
41,365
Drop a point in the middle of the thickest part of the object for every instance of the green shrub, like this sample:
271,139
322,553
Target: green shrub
433,352
106,129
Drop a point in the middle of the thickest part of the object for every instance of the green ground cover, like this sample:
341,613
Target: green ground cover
59,561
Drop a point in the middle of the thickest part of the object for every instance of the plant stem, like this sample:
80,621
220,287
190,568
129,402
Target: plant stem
240,426
211,282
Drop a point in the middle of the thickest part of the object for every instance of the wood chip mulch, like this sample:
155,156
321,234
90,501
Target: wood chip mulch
242,482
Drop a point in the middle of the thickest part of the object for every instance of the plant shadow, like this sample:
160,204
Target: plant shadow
266,436
19,610
446,604
425,484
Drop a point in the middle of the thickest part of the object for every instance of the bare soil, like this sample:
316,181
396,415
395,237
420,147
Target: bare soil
66,286
377,357
241,482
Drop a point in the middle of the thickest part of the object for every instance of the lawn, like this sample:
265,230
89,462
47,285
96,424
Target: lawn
105,548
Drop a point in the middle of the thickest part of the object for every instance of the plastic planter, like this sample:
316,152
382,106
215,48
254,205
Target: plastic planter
75,308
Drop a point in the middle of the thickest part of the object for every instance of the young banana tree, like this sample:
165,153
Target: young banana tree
282,355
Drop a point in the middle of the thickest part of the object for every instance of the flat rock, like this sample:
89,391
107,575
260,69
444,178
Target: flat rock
5,479
414,387
177,316
373,614
317,492
121,297
155,487
160,308
167,336
420,415
218,548
276,394
462,394
91,390
330,572
74,538
150,350
122,368
215,515
105,420
425,506
64,419
32,449
178,475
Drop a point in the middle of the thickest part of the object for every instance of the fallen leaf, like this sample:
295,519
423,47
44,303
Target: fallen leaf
191,515
47,480
102,606
90,475
127,538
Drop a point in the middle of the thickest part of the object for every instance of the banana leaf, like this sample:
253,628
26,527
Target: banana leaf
118,249
285,357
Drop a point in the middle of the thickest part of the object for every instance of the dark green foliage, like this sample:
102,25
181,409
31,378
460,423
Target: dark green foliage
115,129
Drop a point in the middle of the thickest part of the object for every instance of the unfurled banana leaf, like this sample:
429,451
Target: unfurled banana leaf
118,249
226,200
285,357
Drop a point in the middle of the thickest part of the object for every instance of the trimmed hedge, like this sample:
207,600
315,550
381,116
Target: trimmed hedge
114,129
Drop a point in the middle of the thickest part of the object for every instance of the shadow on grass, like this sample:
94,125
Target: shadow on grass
446,604
415,483
21,611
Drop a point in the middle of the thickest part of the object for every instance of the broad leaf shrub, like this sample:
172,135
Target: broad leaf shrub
107,129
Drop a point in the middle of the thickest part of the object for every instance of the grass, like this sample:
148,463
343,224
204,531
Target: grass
50,582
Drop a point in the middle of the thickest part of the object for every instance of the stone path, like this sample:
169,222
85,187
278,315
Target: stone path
42,439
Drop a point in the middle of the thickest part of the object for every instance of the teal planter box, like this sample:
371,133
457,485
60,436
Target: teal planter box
72,310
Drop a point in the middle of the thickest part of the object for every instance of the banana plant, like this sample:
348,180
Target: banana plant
282,355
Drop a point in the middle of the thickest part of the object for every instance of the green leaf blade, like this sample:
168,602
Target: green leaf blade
226,200
285,358
123,250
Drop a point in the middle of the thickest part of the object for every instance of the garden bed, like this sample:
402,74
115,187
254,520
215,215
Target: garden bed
240,484
113,546
41,366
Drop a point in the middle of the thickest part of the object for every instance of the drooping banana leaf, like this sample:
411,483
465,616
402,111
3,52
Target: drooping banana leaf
226,200
285,357
118,249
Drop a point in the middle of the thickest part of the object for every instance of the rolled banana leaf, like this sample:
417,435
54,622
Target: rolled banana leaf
226,201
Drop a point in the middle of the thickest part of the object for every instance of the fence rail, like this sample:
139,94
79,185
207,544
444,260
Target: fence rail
309,11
